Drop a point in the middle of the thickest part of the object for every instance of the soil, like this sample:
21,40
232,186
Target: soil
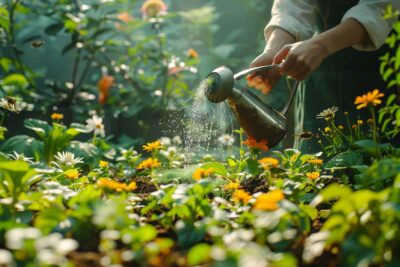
144,185
254,185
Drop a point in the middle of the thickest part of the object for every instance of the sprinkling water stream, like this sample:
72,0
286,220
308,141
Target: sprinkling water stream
202,124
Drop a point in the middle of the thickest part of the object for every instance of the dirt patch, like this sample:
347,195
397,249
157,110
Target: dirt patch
254,185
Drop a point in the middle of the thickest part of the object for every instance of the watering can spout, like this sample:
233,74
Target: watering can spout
261,122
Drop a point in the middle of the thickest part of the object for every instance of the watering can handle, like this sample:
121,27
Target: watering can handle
246,72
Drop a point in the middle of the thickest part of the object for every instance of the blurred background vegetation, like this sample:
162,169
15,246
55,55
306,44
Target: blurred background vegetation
113,58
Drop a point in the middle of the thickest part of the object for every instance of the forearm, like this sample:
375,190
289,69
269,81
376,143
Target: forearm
348,33
278,39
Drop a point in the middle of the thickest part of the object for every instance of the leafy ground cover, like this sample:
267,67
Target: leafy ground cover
71,197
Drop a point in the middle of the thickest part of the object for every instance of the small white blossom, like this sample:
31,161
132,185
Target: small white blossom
328,113
67,159
12,104
16,156
165,141
177,140
15,237
96,124
226,139
6,258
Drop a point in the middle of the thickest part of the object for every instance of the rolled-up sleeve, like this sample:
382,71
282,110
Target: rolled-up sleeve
370,14
296,17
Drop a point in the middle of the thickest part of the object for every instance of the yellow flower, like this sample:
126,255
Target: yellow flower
116,186
312,175
268,163
152,8
315,161
71,173
103,163
369,99
370,121
57,116
232,186
340,127
269,201
360,122
148,164
202,173
149,147
191,53
327,130
241,196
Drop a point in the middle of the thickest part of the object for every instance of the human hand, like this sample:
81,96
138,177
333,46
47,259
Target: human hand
263,81
301,58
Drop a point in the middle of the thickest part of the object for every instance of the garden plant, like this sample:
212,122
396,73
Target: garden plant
73,193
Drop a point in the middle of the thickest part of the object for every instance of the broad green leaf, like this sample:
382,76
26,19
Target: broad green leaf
218,168
17,80
41,128
199,254
331,192
54,28
344,160
4,19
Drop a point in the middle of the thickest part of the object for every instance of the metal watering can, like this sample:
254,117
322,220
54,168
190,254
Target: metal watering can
259,120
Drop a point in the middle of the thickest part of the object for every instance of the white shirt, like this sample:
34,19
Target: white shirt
298,17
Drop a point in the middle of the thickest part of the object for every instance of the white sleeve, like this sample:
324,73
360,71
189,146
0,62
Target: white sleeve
296,17
370,14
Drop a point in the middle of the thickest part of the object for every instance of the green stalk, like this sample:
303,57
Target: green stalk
378,151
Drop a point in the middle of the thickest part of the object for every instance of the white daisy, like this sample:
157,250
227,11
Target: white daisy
16,156
328,113
96,124
67,159
12,104
226,139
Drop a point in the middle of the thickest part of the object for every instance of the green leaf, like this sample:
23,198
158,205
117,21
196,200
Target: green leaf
27,145
48,219
331,192
4,19
312,212
199,254
218,168
17,80
5,63
41,128
54,28
344,160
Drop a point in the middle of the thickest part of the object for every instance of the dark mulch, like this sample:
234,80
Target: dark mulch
255,184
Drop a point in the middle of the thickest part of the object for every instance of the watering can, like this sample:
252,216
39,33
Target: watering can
260,121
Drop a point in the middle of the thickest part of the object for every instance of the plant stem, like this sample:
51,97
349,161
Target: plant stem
378,151
18,61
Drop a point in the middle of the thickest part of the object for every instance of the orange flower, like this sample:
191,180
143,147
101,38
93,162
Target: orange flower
253,143
152,8
149,163
369,99
268,163
116,186
269,201
104,86
57,116
149,147
312,175
315,161
191,53
232,186
241,196
125,17
202,173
